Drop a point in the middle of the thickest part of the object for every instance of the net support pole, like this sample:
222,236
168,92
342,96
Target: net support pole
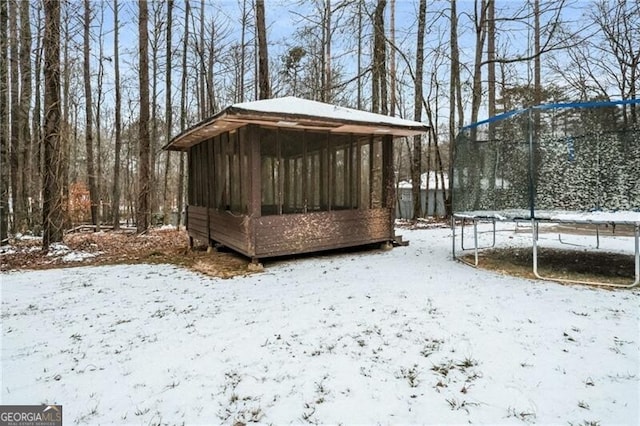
531,164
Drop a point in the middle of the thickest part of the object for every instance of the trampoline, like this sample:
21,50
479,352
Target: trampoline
570,163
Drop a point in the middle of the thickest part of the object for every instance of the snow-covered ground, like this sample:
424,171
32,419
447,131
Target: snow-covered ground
405,336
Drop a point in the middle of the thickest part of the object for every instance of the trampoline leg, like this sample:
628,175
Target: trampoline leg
453,237
462,234
637,237
475,240
534,238
575,244
475,235
493,244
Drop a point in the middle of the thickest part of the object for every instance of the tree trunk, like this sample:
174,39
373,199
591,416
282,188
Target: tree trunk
326,62
491,166
144,175
4,123
416,168
379,103
16,193
480,20
263,56
115,206
480,30
91,177
25,110
167,113
202,97
537,66
52,209
100,93
183,110
65,127
392,58
211,60
243,48
36,124
155,143
359,77
455,102
491,65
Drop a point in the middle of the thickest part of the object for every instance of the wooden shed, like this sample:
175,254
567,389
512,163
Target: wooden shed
286,176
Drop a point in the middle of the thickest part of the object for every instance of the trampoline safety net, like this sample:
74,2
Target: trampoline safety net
569,157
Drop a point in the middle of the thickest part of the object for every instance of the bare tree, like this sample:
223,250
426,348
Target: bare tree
4,123
416,168
144,175
183,108
99,101
16,191
212,50
619,23
25,111
455,97
326,56
202,94
392,55
156,143
91,176
491,55
244,20
480,26
66,129
379,103
359,54
263,55
168,116
52,211
115,206
537,61
36,120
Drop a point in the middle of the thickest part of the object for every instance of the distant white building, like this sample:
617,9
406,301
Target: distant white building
432,205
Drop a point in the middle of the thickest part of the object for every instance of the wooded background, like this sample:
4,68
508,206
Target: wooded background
86,105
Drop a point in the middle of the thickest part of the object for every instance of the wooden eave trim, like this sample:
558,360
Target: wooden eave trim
242,117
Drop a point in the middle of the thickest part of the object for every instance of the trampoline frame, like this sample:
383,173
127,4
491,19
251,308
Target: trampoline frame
479,217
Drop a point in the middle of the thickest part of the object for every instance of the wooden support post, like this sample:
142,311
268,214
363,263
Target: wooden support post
388,177
254,186
255,265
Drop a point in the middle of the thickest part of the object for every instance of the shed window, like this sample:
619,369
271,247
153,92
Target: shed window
218,169
198,189
305,171
270,172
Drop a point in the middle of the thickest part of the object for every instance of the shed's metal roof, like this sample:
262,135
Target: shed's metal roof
295,113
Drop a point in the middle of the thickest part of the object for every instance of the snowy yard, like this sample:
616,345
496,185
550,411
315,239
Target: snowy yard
406,336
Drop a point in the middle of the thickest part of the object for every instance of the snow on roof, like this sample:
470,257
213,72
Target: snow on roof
295,113
291,105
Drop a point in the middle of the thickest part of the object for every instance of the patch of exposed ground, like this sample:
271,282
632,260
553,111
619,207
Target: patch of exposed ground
124,247
582,265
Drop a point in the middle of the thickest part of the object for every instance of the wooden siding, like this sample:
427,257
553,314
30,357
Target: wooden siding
231,230
197,223
302,233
